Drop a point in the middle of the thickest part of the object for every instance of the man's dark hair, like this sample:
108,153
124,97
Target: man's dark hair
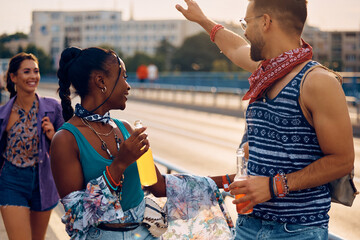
291,14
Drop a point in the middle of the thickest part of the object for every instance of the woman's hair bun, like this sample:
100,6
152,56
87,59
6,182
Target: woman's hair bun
68,55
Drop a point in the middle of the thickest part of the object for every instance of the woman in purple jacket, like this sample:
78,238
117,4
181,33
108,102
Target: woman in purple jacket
27,125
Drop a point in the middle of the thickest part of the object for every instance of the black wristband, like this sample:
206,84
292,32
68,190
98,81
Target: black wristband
271,186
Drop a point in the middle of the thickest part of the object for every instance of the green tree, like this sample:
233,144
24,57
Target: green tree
220,65
7,38
45,61
117,50
197,54
136,60
163,55
4,52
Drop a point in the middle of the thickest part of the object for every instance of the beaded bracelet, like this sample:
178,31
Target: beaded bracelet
282,189
107,181
112,180
285,183
226,182
214,30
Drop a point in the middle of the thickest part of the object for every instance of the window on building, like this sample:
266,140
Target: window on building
55,15
55,40
77,19
55,28
351,58
350,69
69,19
42,18
351,46
55,50
43,30
350,34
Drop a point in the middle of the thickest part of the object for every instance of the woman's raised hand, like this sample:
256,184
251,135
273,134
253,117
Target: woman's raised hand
132,148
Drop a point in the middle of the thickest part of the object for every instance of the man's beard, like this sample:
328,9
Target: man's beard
256,49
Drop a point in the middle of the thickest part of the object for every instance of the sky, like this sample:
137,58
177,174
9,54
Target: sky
332,15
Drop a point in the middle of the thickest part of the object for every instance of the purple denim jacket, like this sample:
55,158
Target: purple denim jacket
47,107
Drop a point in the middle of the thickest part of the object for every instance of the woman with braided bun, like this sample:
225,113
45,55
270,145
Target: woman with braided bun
27,125
93,155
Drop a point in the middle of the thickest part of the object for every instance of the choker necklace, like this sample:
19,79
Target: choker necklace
103,143
81,112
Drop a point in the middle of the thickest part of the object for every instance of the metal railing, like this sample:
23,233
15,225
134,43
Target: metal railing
173,168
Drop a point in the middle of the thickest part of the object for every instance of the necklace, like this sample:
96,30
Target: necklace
103,143
85,122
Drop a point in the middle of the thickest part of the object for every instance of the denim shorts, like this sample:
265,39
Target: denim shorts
133,215
248,227
20,187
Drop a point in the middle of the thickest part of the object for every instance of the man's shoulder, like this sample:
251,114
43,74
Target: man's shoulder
322,78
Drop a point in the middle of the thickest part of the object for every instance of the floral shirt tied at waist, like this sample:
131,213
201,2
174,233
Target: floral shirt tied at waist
23,141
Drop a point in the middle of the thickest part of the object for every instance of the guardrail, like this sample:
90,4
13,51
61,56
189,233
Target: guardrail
223,97
173,168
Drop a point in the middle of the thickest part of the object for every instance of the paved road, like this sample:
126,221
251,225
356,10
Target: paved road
204,143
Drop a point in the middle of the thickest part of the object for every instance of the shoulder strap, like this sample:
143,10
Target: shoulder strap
306,112
122,128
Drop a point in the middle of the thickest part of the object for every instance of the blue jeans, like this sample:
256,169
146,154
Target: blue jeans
248,227
20,187
133,215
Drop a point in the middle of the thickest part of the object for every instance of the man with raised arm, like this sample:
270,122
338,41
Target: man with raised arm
297,142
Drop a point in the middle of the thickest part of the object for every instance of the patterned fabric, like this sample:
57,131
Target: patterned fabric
281,140
194,211
81,112
273,69
23,141
90,207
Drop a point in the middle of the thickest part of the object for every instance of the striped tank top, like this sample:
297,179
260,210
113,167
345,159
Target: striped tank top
281,140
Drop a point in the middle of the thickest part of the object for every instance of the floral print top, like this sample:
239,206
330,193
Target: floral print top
23,140
90,207
195,209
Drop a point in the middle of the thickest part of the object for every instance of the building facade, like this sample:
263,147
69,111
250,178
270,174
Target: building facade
53,31
337,50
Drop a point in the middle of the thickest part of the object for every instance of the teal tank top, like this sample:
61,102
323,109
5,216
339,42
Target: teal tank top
93,165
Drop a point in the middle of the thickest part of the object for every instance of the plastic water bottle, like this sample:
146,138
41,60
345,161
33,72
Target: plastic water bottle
241,174
146,165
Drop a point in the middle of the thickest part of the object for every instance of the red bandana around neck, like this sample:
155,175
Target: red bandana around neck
273,69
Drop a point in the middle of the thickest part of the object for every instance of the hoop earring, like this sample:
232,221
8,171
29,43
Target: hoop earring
103,90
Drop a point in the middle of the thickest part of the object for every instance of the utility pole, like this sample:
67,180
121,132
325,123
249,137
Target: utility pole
131,10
